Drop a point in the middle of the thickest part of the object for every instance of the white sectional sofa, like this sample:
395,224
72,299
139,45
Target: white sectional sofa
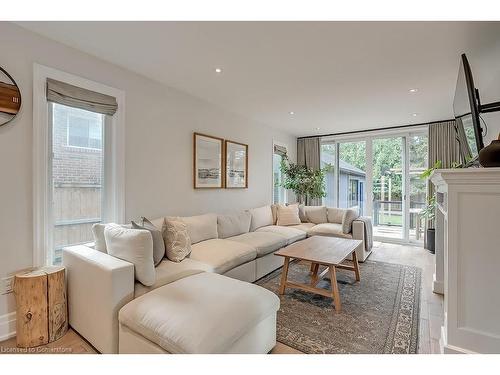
240,246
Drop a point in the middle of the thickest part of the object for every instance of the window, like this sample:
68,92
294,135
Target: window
328,157
84,128
78,145
279,192
77,176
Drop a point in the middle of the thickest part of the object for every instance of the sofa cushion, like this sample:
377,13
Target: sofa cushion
291,234
288,215
203,313
168,271
134,246
349,216
222,255
335,215
156,235
328,229
261,217
201,227
177,241
234,224
316,214
303,226
263,242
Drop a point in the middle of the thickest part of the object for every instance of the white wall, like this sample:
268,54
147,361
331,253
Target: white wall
159,125
485,66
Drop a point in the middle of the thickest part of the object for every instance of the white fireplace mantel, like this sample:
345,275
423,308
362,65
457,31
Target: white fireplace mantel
468,258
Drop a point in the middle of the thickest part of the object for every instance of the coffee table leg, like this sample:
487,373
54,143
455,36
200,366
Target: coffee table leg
335,289
314,276
356,265
284,275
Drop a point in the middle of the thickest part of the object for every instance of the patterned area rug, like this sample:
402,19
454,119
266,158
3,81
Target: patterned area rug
380,314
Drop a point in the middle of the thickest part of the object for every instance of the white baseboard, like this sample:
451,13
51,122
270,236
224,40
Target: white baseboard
7,326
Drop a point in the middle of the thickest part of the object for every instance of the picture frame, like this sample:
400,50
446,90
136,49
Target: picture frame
236,165
208,162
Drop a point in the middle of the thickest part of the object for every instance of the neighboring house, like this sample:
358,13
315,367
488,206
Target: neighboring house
351,184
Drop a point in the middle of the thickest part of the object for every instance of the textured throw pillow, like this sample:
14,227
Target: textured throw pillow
288,215
100,242
349,216
261,217
233,225
316,214
134,246
157,235
177,241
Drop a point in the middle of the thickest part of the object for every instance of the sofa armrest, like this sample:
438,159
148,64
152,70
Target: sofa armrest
99,285
358,233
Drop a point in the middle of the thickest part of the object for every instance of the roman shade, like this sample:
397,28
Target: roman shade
77,97
280,150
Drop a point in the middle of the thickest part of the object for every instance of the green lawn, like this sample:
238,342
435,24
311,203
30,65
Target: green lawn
385,218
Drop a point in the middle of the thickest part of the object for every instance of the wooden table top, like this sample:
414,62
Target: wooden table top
321,249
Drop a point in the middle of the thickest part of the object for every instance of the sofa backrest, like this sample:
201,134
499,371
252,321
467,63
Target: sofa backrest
335,215
200,227
316,214
261,217
233,224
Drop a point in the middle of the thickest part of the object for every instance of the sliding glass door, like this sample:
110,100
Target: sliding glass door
380,176
388,187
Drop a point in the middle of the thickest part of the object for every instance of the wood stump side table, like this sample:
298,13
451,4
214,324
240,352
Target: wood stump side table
41,306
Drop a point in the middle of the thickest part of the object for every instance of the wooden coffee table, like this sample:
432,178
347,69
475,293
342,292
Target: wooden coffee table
320,251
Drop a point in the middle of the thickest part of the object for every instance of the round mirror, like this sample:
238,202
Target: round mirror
10,97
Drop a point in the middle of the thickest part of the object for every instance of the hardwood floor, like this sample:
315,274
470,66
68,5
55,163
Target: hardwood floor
431,308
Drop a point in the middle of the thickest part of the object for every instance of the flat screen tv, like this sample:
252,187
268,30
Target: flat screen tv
466,107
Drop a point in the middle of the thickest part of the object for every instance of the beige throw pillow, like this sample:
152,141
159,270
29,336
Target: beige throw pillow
177,241
349,216
288,215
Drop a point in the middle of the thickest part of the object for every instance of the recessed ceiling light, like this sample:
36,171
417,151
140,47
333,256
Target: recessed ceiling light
292,112
415,114
218,70
413,90
318,128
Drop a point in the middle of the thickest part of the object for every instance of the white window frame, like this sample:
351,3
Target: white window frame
114,157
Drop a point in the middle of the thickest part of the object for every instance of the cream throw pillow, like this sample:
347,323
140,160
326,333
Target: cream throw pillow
288,215
177,241
134,246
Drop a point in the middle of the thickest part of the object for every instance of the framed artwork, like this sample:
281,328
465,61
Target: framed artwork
208,162
236,165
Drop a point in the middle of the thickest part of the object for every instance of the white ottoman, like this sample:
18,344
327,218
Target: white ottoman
203,313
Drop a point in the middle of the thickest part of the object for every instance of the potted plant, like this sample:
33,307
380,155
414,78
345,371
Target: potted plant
429,211
303,181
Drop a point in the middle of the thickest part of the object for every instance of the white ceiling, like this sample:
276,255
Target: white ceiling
335,76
